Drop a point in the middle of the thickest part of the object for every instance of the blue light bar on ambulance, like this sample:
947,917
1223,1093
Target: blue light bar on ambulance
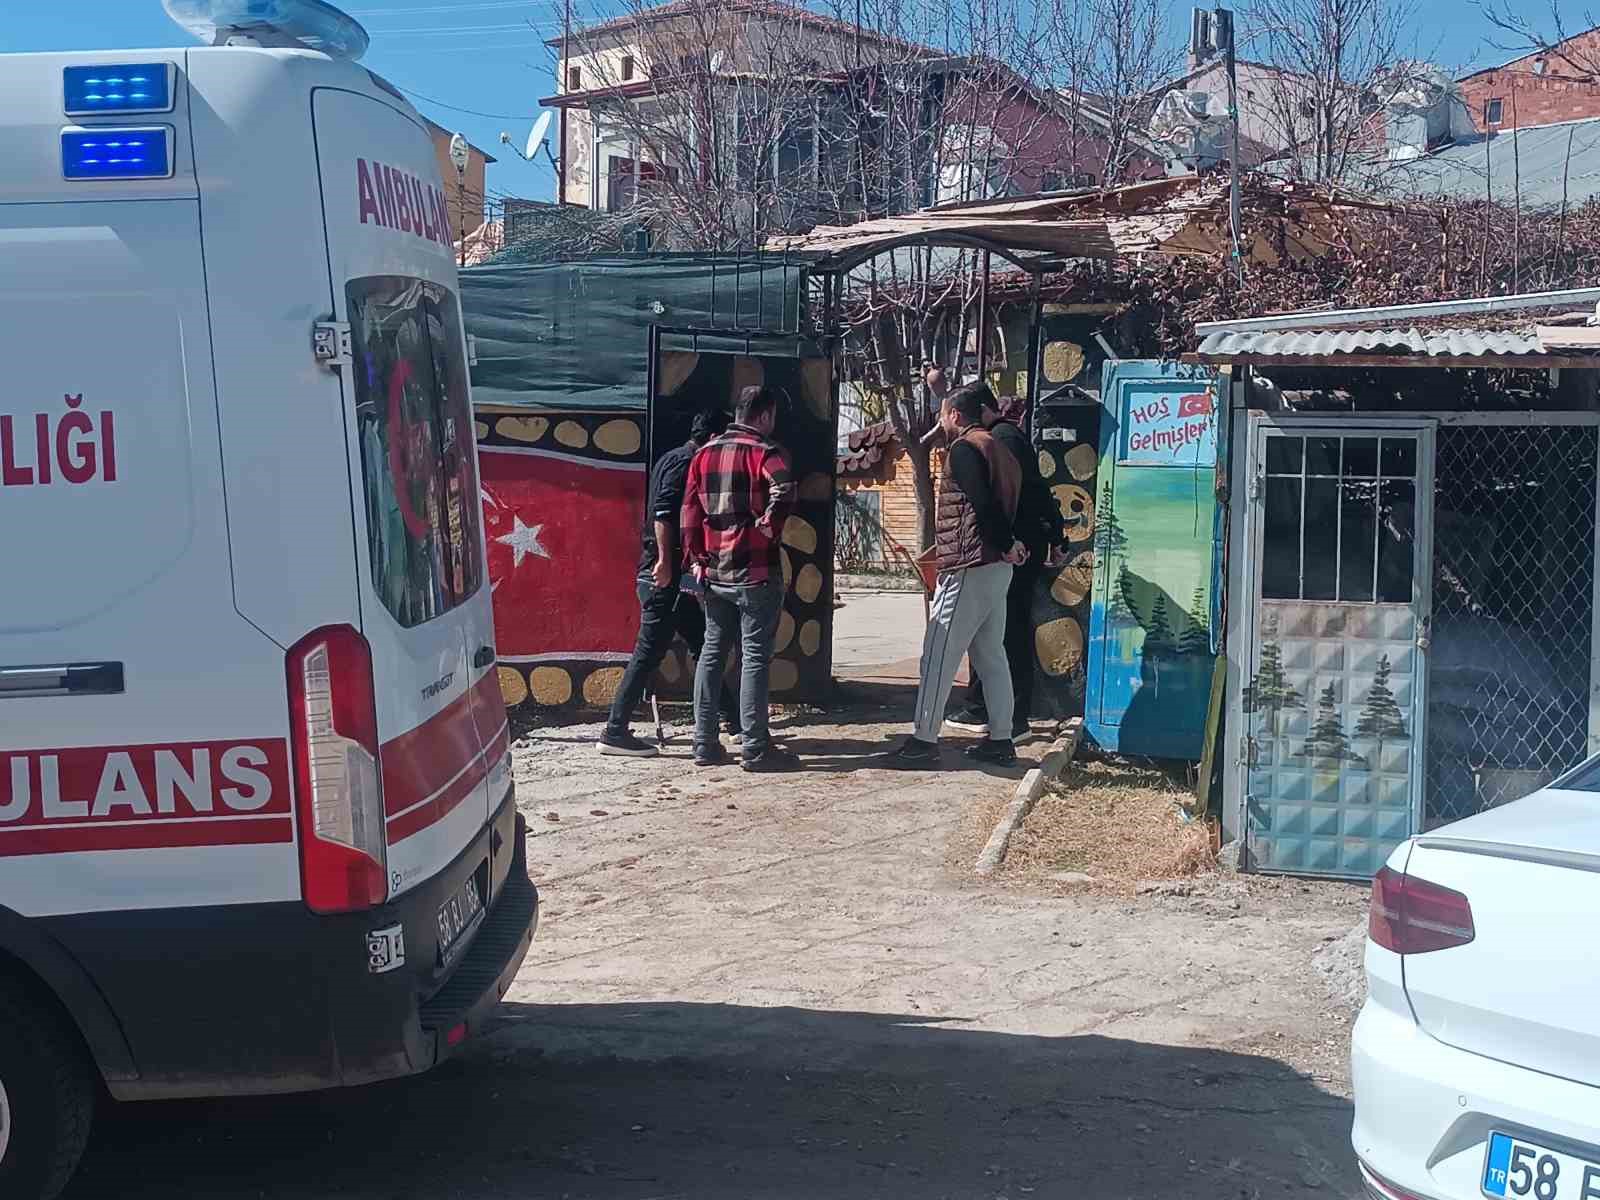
119,88
106,153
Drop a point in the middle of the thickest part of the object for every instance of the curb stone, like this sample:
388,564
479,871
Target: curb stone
1029,789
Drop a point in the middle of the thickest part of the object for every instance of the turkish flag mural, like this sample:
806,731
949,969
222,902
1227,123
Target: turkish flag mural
563,533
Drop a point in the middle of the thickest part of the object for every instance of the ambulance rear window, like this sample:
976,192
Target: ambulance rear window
415,424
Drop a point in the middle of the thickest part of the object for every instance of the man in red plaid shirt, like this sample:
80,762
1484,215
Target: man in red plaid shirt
737,498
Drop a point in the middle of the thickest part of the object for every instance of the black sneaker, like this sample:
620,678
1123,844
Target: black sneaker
969,720
1020,729
711,756
993,753
773,761
914,752
625,745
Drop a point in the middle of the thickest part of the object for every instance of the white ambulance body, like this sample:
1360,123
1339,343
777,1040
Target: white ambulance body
256,819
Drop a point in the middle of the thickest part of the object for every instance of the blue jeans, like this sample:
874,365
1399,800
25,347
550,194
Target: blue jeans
748,615
663,612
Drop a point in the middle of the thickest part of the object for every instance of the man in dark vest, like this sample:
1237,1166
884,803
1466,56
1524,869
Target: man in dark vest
977,550
1040,529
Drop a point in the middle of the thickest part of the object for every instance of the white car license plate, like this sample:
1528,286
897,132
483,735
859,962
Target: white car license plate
1517,1168
457,915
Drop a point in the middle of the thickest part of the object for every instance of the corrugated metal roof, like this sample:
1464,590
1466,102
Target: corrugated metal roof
1468,170
1330,343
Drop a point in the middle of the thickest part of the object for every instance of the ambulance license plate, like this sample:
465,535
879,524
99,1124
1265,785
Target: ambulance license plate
459,914
1516,1168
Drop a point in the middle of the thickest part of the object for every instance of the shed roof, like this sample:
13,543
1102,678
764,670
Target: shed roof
1443,346
1542,163
1179,215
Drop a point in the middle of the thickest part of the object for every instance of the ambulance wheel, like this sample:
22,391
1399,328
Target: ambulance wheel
47,1098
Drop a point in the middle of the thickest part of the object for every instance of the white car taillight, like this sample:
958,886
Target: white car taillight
334,720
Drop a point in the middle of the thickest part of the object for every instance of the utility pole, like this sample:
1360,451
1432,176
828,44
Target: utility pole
1222,39
460,155
561,87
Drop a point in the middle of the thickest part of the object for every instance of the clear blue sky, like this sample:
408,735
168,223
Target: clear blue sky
488,55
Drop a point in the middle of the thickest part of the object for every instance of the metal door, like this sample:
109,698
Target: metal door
1332,697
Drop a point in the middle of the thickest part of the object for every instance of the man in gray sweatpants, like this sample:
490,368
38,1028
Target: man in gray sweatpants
976,549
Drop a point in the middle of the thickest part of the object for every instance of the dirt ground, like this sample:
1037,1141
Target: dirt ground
794,987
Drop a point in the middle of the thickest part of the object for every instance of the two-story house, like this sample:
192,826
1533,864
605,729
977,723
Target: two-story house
768,116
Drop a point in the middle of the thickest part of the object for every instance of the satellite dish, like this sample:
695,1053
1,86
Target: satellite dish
717,60
310,24
536,135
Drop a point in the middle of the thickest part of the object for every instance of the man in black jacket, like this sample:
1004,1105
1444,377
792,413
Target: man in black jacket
1040,528
664,609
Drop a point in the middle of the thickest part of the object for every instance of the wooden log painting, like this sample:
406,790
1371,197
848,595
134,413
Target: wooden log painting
1061,602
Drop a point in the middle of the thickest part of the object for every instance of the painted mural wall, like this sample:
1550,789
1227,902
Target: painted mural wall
1069,460
1152,619
563,500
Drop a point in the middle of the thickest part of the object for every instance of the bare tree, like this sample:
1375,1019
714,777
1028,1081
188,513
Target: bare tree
1554,30
1330,64
1129,56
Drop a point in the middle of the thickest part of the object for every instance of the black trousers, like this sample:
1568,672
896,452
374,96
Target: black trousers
663,614
1019,639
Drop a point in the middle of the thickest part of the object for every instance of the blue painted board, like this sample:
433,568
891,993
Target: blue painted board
1153,620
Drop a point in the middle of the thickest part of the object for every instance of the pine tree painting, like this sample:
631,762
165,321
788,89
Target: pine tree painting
1381,717
1270,692
1328,738
1109,539
1158,643
1196,638
1124,593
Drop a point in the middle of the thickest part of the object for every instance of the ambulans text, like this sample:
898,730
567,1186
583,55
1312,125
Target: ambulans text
395,200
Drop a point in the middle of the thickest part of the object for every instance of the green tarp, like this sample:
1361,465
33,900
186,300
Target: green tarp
575,335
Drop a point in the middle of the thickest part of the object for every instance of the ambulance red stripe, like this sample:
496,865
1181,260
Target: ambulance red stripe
147,835
435,808
423,760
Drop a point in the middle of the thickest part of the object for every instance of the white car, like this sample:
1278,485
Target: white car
1476,1061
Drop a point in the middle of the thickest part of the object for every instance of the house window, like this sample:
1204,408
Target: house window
574,79
1494,112
627,67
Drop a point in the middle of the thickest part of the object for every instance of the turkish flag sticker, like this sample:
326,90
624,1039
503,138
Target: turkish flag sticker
563,536
1198,405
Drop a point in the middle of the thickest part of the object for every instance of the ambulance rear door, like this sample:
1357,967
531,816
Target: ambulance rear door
413,470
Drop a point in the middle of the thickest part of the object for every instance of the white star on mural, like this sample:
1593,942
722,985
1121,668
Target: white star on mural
523,540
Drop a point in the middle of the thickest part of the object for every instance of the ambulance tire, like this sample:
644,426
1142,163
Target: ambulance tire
49,1097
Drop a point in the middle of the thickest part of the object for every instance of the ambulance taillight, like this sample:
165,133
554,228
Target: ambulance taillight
334,721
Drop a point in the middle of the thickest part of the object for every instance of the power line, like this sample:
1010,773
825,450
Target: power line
437,8
388,50
471,112
446,31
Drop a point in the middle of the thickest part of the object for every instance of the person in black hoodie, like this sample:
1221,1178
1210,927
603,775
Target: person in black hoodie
1040,528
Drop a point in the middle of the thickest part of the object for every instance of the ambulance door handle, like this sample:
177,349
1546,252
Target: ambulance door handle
62,679
483,658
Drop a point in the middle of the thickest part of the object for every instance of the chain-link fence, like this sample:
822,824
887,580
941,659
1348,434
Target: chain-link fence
1513,608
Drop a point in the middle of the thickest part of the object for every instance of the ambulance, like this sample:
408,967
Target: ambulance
257,830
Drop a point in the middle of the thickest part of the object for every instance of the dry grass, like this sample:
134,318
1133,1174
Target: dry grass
1116,822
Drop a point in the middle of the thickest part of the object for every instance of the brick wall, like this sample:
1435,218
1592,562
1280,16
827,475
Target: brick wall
1527,100
898,500
1547,88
